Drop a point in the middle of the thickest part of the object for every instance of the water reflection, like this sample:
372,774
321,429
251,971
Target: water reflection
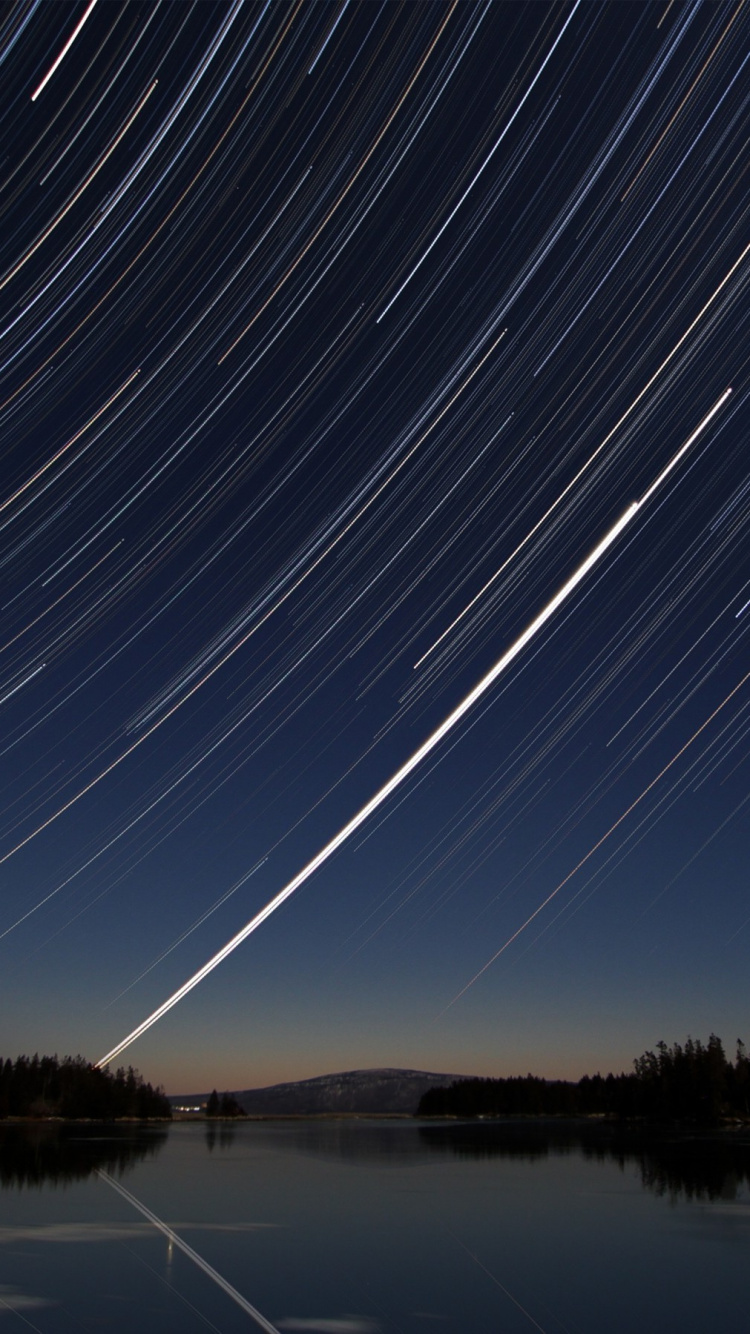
390,1143
58,1154
222,1134
307,1221
691,1167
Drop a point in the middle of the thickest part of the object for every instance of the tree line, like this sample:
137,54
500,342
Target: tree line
73,1087
694,1082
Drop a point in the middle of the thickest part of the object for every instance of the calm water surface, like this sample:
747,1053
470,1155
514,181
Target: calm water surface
363,1227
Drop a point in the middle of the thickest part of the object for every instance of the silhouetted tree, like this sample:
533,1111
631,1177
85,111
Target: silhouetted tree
225,1105
738,1080
692,1083
74,1088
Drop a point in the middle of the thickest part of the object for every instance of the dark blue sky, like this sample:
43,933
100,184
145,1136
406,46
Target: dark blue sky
333,338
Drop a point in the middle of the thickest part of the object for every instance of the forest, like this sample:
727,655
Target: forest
694,1083
43,1086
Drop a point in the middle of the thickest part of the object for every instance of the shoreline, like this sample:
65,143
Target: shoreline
724,1130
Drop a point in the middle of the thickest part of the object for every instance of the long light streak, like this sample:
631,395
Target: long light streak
331,31
584,467
674,116
64,448
649,787
385,791
61,598
234,648
684,448
77,193
334,207
26,679
71,142
115,198
422,751
478,173
197,1259
59,59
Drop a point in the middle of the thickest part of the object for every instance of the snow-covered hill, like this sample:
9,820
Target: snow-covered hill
360,1091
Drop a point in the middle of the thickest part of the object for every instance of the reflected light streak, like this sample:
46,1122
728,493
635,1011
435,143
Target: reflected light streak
175,1240
501,1286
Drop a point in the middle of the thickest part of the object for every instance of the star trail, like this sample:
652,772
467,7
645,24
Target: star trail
340,343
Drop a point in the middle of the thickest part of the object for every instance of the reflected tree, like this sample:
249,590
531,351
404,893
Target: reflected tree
44,1153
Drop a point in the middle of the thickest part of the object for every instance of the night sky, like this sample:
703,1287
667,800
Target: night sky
333,338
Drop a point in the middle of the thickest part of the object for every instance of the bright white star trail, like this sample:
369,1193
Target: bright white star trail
424,750
59,59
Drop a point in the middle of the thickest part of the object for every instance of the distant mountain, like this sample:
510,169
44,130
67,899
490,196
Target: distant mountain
362,1091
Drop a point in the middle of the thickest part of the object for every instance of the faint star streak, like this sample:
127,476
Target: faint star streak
551,509
532,916
501,1286
486,162
64,448
249,633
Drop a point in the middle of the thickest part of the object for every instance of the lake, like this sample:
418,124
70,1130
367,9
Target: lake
373,1227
